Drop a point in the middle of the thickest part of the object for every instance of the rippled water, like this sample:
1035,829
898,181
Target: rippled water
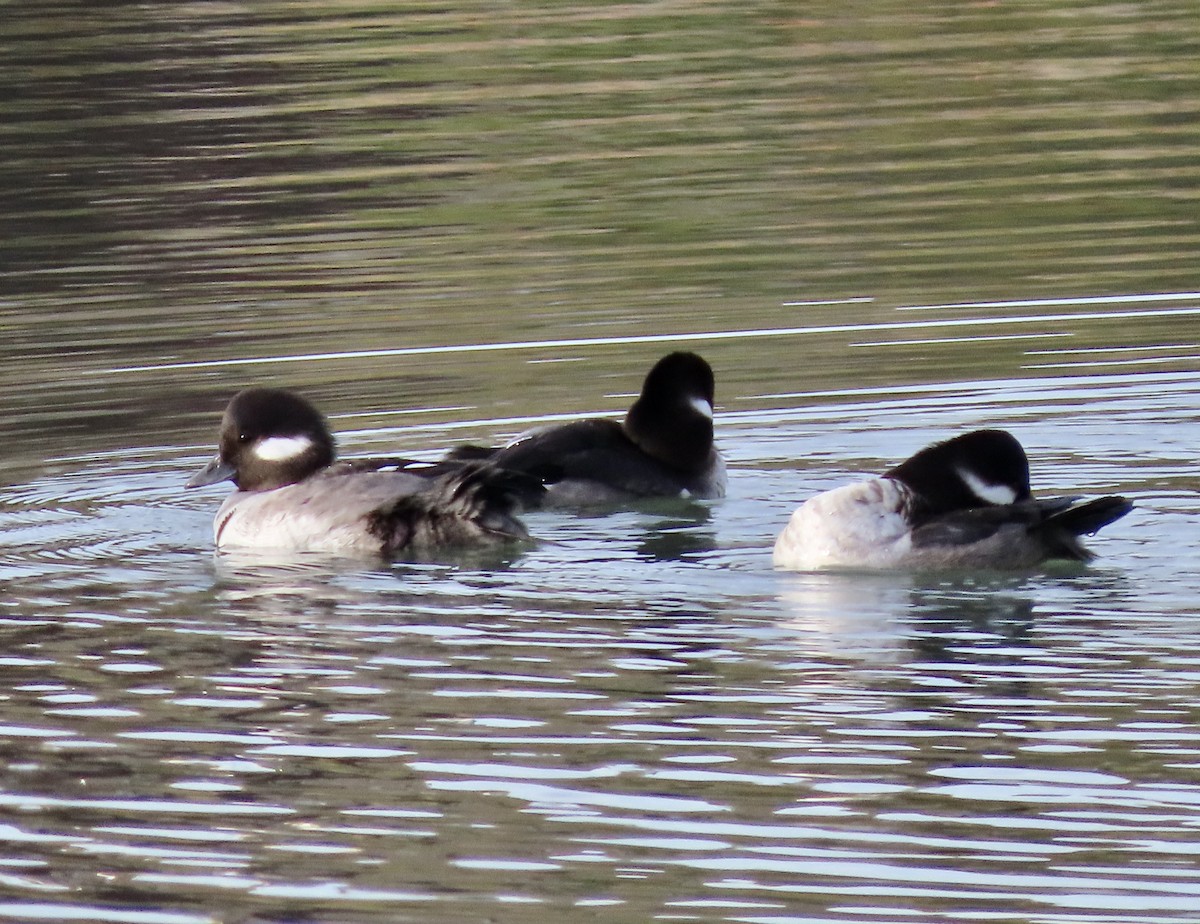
881,226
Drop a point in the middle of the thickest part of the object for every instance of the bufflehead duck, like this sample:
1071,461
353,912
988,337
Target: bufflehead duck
292,494
961,503
663,448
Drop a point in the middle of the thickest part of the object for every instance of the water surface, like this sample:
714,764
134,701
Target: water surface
881,226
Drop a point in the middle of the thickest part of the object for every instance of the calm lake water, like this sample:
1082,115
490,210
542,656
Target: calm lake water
881,225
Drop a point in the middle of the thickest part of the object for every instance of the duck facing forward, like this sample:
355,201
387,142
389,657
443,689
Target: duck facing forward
962,503
292,494
663,448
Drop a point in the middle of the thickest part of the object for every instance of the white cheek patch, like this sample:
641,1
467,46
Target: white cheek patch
702,406
990,493
282,448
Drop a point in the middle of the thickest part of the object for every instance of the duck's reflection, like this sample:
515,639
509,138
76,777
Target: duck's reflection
683,532
287,585
896,616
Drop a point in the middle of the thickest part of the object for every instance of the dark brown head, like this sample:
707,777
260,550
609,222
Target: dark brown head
269,438
672,419
978,469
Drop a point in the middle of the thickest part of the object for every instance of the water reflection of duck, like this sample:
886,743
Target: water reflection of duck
276,448
680,534
962,503
663,448
888,616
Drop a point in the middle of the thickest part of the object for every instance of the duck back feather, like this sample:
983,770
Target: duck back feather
476,502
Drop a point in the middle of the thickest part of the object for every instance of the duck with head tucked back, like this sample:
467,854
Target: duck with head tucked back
292,494
962,503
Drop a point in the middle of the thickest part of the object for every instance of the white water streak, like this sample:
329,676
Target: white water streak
701,336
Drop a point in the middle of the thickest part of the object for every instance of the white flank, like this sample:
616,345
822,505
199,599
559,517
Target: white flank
991,493
860,525
702,405
282,448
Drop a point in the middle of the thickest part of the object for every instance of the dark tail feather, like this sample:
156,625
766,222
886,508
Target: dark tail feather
1063,528
475,504
1086,519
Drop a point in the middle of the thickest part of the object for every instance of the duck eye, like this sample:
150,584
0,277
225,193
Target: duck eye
243,438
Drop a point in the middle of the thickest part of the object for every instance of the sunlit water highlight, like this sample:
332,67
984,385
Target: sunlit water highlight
701,337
